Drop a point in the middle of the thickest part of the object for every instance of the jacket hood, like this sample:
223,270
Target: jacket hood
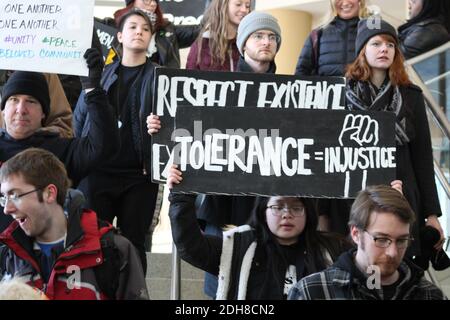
346,262
243,66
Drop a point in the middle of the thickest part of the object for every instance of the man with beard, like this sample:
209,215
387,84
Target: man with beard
380,225
258,40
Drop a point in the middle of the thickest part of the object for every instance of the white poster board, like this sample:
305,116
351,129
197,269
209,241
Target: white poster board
46,35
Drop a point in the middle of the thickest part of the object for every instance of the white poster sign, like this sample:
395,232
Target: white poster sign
46,35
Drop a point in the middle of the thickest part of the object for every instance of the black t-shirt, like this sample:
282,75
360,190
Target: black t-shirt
126,161
389,290
272,277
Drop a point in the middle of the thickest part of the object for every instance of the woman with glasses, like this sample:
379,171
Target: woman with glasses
377,81
262,259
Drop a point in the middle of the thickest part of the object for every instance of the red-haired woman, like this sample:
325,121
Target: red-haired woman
164,48
377,81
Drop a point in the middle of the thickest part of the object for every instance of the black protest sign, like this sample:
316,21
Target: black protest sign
174,87
313,153
105,34
183,12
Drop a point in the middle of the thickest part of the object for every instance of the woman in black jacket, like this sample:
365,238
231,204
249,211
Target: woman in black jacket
425,30
167,40
377,81
329,48
261,260
122,186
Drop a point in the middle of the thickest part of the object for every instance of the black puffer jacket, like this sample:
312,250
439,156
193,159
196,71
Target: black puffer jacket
336,49
421,37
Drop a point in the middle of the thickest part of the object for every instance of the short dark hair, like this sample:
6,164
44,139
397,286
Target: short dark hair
381,198
39,168
134,12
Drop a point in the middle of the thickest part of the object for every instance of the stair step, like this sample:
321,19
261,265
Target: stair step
159,268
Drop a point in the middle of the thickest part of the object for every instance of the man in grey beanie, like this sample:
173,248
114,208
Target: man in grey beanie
258,40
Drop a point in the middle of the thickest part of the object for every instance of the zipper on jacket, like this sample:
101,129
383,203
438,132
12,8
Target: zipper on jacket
231,61
345,51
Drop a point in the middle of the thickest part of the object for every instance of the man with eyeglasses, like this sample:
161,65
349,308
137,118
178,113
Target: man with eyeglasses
67,255
380,225
25,104
258,40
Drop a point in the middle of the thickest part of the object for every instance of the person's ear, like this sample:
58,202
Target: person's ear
355,233
119,37
50,193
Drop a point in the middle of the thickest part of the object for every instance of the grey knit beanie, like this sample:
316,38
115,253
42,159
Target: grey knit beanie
253,22
371,27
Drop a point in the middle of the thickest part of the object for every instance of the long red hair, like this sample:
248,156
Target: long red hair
360,70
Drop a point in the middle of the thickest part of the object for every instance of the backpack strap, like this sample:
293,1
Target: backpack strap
107,274
315,39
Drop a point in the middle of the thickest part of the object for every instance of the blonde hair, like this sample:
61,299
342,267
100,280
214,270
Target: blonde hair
363,11
216,22
17,289
332,13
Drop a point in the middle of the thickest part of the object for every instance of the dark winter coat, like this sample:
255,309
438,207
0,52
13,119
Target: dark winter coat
82,120
82,249
421,37
415,161
78,155
335,49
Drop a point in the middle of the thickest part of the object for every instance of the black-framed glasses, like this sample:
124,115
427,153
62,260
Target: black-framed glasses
384,242
14,197
297,211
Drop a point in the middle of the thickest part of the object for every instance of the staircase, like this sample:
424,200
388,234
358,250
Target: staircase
159,278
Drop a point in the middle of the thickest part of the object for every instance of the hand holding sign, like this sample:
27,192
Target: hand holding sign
94,60
360,129
45,36
153,124
174,176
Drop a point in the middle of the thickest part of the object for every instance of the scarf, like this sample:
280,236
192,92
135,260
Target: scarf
364,96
